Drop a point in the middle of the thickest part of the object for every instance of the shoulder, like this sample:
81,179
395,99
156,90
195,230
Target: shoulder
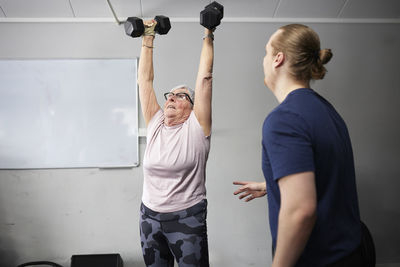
155,122
300,109
194,122
157,118
283,117
285,124
300,99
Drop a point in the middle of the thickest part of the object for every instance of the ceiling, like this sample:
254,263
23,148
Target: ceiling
367,10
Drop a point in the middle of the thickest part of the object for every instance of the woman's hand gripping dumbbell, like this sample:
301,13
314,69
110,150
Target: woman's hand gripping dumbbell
135,27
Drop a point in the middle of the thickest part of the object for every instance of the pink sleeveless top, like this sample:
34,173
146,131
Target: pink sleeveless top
174,164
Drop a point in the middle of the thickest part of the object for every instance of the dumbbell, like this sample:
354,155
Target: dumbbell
211,16
134,26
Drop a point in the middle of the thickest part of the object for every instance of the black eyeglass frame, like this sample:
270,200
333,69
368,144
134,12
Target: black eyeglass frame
170,93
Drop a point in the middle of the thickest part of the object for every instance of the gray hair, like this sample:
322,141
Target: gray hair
190,90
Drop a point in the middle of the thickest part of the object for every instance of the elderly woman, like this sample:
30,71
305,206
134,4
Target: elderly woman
174,205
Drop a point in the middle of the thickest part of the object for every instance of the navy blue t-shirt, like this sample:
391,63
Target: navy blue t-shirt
305,133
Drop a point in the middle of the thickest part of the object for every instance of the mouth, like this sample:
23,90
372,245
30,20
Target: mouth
170,106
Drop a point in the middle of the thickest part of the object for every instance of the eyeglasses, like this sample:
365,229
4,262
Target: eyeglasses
179,96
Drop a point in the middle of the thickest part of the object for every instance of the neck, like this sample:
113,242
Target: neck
171,121
285,85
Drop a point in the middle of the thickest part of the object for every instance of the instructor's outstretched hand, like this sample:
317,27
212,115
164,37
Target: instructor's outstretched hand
251,190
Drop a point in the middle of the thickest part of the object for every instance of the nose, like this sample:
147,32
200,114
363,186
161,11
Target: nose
171,98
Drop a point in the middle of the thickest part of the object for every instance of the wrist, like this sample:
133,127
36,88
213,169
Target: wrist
208,31
209,35
147,41
148,38
263,187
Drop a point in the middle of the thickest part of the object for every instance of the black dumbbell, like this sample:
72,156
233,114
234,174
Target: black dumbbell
211,16
134,26
163,24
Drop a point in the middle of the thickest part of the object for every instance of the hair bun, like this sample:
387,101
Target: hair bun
325,55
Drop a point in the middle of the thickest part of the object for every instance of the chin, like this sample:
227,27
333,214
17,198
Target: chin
265,82
168,112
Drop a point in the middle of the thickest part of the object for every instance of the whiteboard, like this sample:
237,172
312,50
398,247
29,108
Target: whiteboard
67,113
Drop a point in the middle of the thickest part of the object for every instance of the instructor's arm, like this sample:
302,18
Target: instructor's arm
147,95
297,217
203,91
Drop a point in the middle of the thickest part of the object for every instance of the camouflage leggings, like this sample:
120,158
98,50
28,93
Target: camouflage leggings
181,235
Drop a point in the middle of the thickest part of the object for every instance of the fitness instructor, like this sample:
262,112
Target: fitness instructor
307,160
174,205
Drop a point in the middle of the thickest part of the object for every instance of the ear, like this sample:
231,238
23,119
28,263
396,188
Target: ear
279,60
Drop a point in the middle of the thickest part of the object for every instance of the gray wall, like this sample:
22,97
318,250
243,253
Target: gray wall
53,214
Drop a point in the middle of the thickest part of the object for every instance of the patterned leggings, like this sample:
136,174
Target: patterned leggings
180,235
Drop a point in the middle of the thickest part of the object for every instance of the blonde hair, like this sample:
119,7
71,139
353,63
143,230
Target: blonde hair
301,46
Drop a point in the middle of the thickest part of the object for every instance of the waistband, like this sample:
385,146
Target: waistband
176,215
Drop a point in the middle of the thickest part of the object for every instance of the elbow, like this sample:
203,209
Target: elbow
306,215
145,77
206,80
205,75
144,80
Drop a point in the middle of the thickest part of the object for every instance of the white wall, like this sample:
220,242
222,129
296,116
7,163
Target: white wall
53,214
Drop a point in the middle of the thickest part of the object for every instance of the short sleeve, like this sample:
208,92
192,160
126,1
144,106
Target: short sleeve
197,125
155,122
288,144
